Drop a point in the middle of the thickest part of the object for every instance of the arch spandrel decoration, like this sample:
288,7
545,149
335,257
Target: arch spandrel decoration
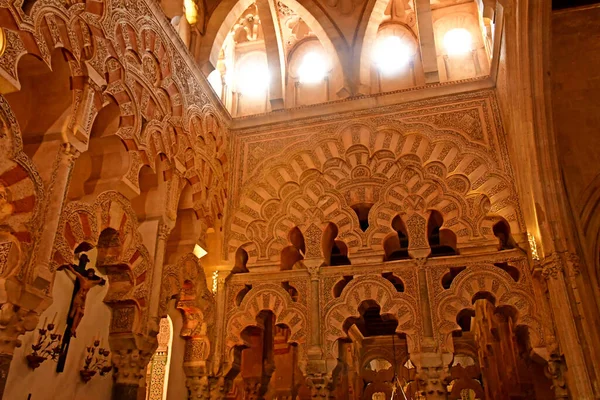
484,278
403,307
268,297
394,169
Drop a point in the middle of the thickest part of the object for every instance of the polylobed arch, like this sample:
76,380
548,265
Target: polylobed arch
273,298
379,291
110,225
456,174
185,281
485,281
58,81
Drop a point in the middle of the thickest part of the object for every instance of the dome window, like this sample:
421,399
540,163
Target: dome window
252,75
458,42
313,68
391,55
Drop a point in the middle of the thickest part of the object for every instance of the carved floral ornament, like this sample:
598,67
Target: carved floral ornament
398,173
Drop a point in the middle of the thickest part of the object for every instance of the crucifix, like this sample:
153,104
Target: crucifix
85,279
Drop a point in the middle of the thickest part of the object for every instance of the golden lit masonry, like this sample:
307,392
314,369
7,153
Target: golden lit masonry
299,199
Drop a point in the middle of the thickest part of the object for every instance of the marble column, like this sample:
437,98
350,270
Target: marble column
219,321
315,350
164,230
58,188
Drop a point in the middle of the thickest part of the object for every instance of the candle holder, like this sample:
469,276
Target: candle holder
96,361
47,346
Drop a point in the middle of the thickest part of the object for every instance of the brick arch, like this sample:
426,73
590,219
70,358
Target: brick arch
487,279
268,297
129,267
401,306
53,20
22,185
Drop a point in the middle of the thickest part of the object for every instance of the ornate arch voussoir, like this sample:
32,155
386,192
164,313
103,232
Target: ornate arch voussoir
486,279
379,290
268,297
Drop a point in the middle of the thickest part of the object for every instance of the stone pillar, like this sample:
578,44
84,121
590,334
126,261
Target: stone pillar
219,322
130,368
58,188
564,322
433,374
427,39
164,229
316,363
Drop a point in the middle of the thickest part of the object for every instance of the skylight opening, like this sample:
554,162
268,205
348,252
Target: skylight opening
191,12
313,68
214,78
458,42
252,77
391,55
199,252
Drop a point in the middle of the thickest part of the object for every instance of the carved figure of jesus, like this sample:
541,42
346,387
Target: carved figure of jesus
86,282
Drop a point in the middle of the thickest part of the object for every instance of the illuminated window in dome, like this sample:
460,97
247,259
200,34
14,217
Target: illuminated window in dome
313,68
458,41
252,75
391,54
214,78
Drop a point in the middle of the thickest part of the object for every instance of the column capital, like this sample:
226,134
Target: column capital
69,152
199,387
321,386
556,371
433,374
164,230
552,266
130,366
